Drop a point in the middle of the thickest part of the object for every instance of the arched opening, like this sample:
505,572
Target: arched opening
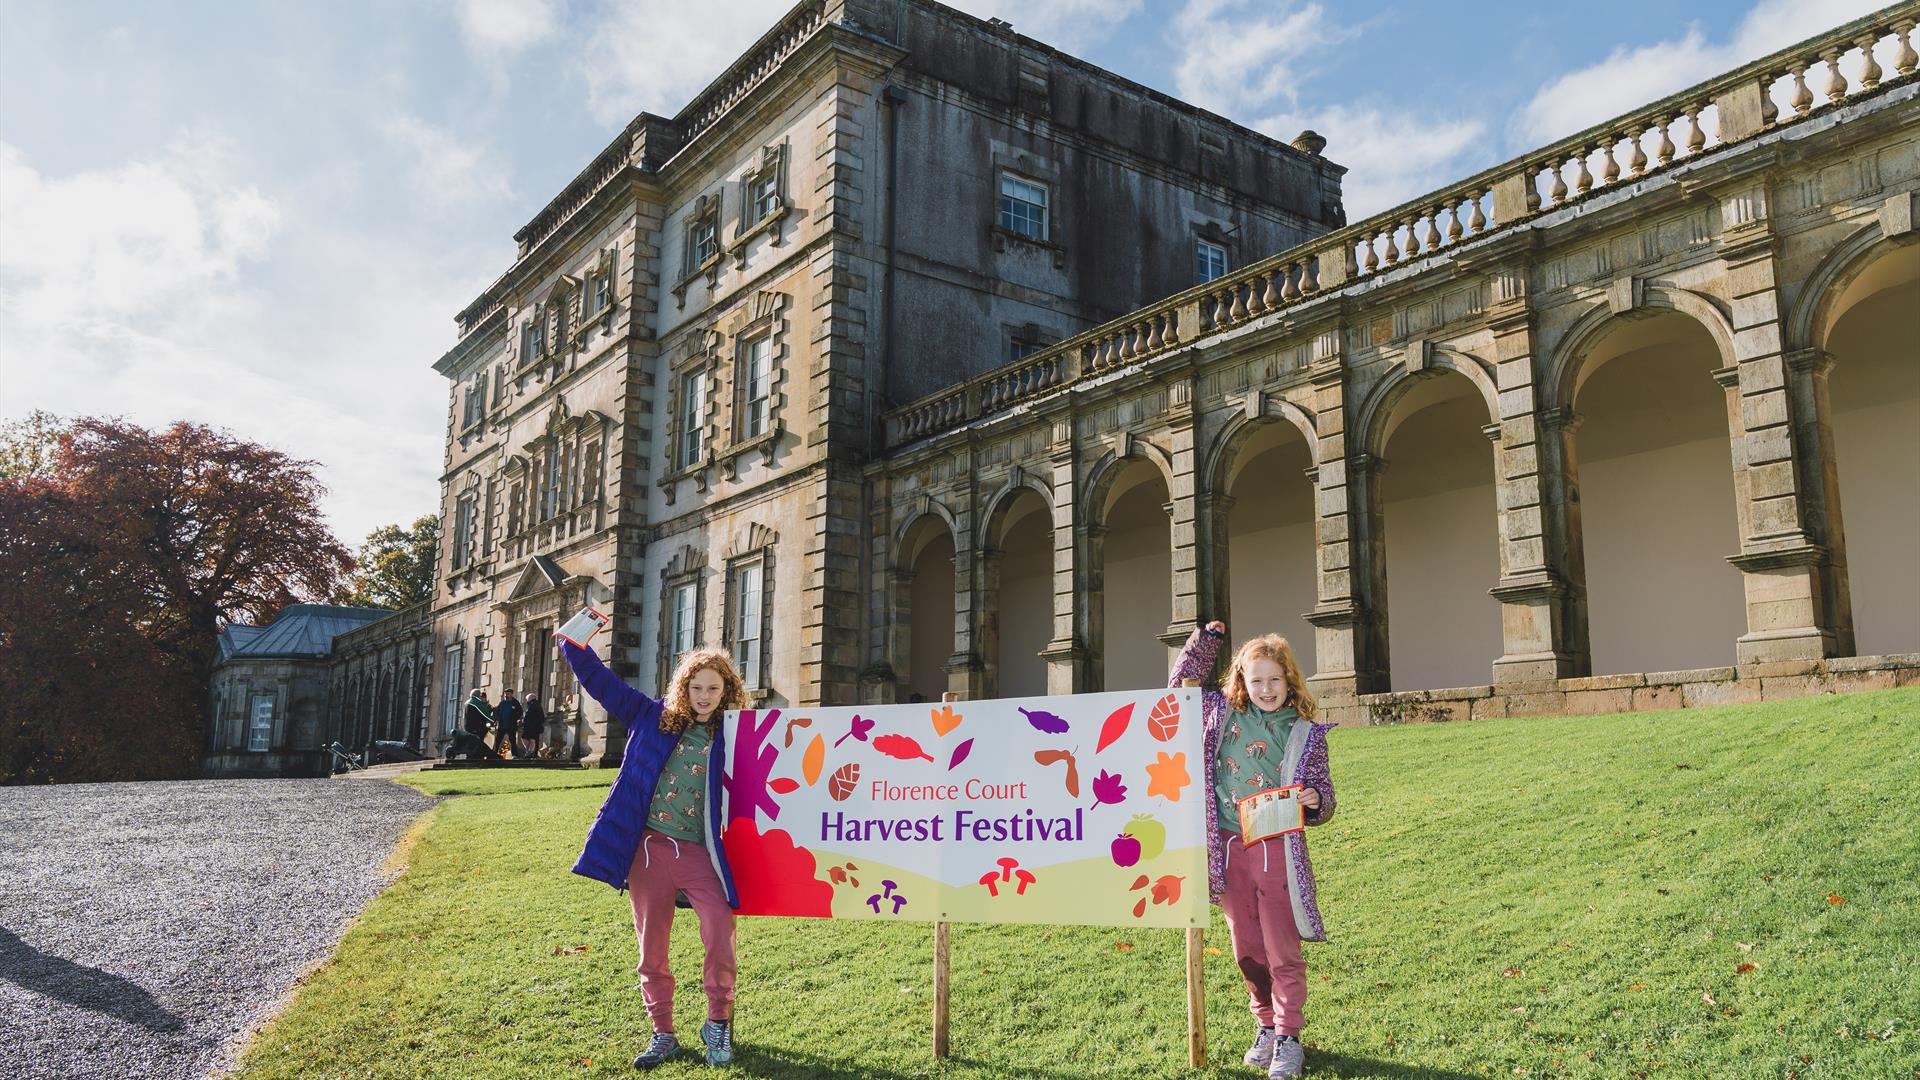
1137,568
1657,511
928,553
1021,616
1437,499
1270,539
1874,391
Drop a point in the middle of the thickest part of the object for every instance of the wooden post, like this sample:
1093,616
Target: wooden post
941,964
1196,973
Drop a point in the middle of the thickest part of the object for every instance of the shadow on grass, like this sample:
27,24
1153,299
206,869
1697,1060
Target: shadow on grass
81,986
757,1061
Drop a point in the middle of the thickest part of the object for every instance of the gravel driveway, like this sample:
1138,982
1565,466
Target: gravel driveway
144,926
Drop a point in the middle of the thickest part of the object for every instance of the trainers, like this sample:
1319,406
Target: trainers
718,1035
1289,1059
664,1045
1260,1054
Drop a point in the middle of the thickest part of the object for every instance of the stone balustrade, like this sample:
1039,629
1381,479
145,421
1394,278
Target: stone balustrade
750,70
1669,133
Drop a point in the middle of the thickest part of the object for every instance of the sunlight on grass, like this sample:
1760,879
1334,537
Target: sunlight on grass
1710,892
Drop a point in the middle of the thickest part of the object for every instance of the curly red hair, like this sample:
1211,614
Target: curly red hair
677,711
1275,648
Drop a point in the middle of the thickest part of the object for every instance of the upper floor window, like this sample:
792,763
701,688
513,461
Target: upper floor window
749,633
763,196
756,382
703,241
685,618
1023,207
476,402
462,531
451,683
1019,349
1209,261
600,292
693,418
260,723
533,336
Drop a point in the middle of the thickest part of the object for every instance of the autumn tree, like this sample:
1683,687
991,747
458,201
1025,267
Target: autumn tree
395,568
124,555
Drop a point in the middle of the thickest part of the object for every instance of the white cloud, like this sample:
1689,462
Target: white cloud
447,172
503,27
1631,76
654,55
116,242
1390,157
1236,55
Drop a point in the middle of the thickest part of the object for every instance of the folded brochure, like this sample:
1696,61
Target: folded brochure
581,628
1272,812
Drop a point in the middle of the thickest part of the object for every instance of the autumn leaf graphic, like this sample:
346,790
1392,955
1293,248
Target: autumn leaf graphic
1107,788
1168,776
945,720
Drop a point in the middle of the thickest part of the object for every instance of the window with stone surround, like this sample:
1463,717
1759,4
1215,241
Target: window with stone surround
533,335
746,603
1209,261
703,239
451,686
260,724
1023,207
692,417
682,599
599,291
755,380
763,190
460,552
476,404
685,617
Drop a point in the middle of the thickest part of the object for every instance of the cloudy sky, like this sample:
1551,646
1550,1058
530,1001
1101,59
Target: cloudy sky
264,215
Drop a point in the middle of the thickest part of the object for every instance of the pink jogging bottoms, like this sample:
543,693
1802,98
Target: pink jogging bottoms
660,866
1266,940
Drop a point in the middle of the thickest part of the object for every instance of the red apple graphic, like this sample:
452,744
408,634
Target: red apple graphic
1126,850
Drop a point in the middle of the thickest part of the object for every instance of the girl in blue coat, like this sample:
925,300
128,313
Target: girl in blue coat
658,833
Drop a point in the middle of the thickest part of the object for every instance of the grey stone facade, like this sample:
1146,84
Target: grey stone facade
272,705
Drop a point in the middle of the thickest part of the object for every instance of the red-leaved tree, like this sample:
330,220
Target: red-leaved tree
120,561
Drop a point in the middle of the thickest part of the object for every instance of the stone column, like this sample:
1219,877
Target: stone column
1182,508
1073,655
1812,404
1349,613
975,671
1537,628
972,602
1212,516
1790,609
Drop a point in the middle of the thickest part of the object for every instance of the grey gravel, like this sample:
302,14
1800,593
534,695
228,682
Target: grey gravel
145,927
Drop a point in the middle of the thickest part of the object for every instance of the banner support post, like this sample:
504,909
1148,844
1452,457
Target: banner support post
1196,970
942,949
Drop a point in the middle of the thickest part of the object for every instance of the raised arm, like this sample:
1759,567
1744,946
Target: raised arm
1197,655
610,690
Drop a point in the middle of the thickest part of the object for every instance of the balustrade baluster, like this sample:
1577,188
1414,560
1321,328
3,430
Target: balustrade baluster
1413,240
1559,189
1637,161
1239,302
1478,222
1869,67
1265,294
1454,229
1432,238
1310,275
1836,82
1696,129
1373,257
1583,181
1157,339
1291,291
1905,60
1141,347
1609,168
1392,254
1802,99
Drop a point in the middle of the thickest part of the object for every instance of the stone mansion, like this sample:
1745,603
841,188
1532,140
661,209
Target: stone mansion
914,355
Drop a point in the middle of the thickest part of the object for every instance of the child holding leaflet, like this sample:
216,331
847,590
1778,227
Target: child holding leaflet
659,831
1260,736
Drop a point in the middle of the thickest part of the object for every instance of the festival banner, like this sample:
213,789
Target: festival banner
1086,808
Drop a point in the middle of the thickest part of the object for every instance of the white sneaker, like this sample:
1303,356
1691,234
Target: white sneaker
1260,1054
1289,1059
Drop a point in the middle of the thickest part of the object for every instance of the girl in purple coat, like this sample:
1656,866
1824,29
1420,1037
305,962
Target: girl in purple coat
1260,734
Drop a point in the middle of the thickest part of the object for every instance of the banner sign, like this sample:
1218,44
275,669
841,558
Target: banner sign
1086,808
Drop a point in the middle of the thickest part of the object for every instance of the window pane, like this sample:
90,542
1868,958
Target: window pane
261,734
759,382
703,241
1210,261
682,619
766,196
747,623
693,417
1023,207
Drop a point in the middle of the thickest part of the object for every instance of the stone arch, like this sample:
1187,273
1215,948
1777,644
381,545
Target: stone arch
1107,468
1226,445
1565,368
1012,592
1812,317
1377,408
993,509
924,576
926,509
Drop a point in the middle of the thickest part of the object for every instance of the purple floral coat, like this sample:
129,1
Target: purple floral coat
1309,766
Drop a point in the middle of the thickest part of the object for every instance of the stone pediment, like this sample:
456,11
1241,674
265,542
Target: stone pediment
540,575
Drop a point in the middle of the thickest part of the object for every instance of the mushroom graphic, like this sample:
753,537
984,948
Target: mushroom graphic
887,887
1006,868
992,881
1026,879
874,903
899,902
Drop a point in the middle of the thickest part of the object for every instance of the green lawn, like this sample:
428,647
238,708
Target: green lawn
1704,893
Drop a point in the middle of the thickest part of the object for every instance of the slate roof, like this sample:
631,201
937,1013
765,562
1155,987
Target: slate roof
302,630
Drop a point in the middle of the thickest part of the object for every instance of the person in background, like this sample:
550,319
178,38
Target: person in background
533,726
507,715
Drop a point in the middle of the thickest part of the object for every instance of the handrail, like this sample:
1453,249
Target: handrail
1723,110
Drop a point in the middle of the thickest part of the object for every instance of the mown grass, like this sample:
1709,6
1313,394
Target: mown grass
1575,897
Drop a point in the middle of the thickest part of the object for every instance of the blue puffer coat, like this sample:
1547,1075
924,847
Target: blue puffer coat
615,834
